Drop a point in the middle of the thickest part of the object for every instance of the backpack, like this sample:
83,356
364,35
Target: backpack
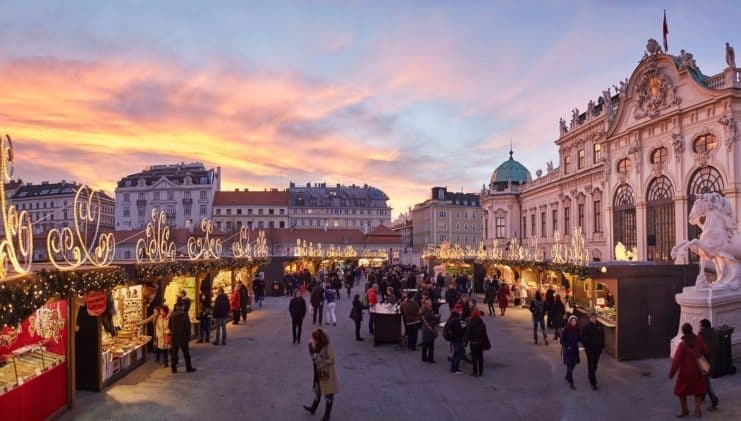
448,331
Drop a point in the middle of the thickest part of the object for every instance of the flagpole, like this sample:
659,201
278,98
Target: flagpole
665,32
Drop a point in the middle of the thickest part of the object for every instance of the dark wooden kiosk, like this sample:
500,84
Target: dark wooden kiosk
635,303
386,325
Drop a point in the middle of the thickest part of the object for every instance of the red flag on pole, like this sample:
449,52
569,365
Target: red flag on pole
665,31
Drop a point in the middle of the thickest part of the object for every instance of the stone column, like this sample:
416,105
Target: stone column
641,233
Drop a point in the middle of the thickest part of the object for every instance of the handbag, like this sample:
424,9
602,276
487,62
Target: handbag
486,344
703,365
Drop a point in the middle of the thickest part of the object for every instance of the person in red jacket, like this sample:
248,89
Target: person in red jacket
690,380
372,301
234,305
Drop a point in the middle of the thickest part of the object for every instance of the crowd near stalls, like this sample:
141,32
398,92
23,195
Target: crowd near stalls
84,319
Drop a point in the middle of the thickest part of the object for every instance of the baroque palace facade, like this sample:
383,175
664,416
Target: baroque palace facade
630,165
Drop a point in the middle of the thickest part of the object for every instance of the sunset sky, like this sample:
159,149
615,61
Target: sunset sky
399,97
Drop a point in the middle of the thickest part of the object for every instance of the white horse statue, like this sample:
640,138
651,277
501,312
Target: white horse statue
720,241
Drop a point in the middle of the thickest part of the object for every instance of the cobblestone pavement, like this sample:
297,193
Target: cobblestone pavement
260,375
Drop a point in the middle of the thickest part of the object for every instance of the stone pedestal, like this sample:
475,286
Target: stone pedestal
721,305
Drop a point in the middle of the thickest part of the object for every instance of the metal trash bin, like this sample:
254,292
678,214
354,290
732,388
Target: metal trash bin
720,356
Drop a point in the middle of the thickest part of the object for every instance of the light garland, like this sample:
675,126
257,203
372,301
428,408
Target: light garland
17,225
157,247
204,247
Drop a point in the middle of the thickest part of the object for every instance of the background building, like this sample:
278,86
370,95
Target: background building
631,165
184,191
318,206
403,225
446,216
253,209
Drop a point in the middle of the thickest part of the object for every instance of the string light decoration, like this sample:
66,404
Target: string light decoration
17,225
241,246
157,247
69,249
261,250
557,249
204,247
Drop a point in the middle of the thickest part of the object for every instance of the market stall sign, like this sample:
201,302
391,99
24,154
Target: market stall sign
96,303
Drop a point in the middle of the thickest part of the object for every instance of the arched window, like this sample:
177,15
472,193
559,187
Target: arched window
623,166
704,180
659,155
660,219
624,216
705,143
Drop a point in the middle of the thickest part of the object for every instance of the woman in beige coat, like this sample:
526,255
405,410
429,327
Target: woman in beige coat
325,375
159,319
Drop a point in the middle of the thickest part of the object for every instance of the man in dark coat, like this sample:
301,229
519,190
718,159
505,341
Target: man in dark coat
453,332
297,310
258,286
221,310
317,303
410,310
593,338
243,297
180,332
706,332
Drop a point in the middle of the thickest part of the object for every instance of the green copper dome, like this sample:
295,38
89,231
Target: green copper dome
511,170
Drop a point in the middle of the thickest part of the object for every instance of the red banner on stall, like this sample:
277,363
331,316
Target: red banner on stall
96,303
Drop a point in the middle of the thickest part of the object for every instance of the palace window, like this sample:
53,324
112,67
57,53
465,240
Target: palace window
442,214
659,155
623,166
500,233
597,216
567,220
532,224
170,195
156,195
596,152
581,159
554,219
660,219
542,225
624,217
566,163
704,144
524,226
580,216
202,194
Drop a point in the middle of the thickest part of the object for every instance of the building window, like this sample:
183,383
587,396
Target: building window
567,220
186,194
170,195
282,224
126,212
127,254
524,226
597,216
442,238
218,211
140,213
704,144
441,214
186,211
127,197
660,220
239,211
580,216
532,224
624,217
554,219
140,197
203,209
259,211
659,155
596,152
704,180
229,211
581,159
260,224
271,211
283,211
271,224
228,225
500,233
156,195
249,211
566,163
542,225
218,225
203,195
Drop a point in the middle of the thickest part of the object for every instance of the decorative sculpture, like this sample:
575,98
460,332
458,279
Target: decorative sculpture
719,242
730,56
204,247
687,60
241,246
562,126
729,125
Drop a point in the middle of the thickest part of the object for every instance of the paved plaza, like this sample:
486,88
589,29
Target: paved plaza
260,375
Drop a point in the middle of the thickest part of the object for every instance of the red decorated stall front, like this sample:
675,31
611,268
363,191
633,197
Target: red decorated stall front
33,365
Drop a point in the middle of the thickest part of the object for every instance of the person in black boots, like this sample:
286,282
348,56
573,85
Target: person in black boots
593,339
325,375
258,287
297,309
538,310
706,332
317,303
179,329
221,310
243,298
476,337
430,321
357,315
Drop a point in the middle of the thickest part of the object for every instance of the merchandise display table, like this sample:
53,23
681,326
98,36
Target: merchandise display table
387,324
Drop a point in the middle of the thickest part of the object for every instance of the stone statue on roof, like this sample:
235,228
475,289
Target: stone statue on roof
609,110
653,47
686,60
730,56
562,126
574,116
590,108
